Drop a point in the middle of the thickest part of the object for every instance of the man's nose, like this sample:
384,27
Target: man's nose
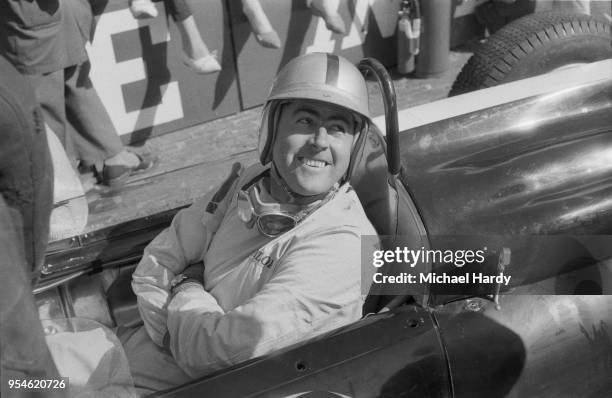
319,138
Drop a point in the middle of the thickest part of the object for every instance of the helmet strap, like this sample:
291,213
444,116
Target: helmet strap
357,150
273,116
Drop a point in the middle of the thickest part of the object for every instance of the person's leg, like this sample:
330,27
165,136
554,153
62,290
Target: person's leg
152,368
49,90
328,10
193,44
95,136
260,24
143,9
197,55
96,140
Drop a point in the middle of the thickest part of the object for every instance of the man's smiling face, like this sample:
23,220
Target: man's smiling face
313,144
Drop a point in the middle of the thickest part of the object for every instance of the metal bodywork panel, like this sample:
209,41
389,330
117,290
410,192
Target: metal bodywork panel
107,248
514,174
387,355
535,346
540,165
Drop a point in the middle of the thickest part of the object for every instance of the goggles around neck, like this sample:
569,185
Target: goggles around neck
272,219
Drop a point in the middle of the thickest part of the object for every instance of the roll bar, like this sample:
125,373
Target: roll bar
365,66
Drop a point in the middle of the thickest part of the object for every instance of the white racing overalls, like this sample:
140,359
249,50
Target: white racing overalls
260,293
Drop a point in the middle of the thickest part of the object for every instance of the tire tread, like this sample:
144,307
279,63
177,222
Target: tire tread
495,58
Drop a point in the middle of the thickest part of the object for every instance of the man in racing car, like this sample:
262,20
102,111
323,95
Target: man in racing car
274,257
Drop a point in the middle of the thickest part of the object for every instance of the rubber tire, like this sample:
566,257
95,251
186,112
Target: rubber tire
532,45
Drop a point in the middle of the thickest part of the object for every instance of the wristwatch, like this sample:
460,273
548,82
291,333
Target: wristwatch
180,279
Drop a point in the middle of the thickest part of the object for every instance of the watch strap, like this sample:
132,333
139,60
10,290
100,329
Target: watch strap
181,280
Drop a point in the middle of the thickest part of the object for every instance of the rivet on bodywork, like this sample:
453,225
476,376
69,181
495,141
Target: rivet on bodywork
301,366
50,330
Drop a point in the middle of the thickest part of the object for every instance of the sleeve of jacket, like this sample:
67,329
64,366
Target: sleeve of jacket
183,243
315,287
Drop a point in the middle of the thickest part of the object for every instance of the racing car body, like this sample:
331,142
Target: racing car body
527,160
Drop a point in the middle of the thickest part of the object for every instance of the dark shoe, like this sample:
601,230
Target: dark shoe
116,175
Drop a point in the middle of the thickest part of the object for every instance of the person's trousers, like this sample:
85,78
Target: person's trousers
152,367
93,133
49,90
76,114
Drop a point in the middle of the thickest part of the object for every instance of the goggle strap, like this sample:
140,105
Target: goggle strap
288,209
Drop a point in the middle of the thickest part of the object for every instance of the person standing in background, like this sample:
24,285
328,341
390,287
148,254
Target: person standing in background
33,39
26,184
46,42
197,55
195,52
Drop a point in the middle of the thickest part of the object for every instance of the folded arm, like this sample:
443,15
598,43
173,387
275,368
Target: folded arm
176,247
183,243
315,288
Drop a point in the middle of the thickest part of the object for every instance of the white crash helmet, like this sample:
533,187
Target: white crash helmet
321,77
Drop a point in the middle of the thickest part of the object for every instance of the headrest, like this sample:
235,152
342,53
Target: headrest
370,181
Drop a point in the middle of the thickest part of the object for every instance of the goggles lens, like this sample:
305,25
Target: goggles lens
273,225
271,221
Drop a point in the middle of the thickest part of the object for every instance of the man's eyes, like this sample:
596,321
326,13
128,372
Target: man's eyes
331,127
306,121
339,128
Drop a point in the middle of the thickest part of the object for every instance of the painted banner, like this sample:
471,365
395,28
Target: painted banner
138,72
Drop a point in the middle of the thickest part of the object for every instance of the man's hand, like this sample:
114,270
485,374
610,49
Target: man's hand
195,271
192,275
